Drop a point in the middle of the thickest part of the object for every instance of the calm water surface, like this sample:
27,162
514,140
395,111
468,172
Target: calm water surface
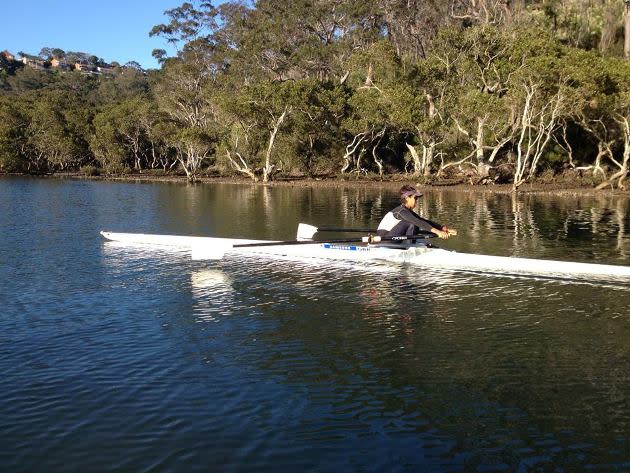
127,360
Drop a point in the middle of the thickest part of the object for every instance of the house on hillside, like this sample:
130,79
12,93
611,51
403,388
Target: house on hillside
33,61
84,67
7,55
60,64
105,69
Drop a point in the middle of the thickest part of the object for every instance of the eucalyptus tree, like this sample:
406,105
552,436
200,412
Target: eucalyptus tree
81,86
502,91
619,71
419,111
48,53
279,40
413,24
106,144
59,124
588,133
584,24
473,68
316,128
538,95
184,88
254,116
28,78
482,12
122,134
376,73
183,94
13,125
125,84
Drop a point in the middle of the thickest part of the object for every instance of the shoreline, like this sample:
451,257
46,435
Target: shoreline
534,188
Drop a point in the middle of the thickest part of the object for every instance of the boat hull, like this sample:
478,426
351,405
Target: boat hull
421,255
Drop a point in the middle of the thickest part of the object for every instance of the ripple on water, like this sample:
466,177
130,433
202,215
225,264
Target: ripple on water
141,360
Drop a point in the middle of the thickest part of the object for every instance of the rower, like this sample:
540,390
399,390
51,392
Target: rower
403,221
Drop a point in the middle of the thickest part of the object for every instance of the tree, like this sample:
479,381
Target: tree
28,78
255,116
413,24
13,124
315,133
374,78
619,71
472,69
122,134
184,87
125,84
59,125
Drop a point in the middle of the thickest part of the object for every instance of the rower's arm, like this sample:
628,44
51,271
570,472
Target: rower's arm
422,223
425,224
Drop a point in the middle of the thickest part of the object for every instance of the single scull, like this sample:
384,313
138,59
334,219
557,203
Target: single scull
369,248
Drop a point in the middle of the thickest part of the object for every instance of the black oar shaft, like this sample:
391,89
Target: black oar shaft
369,239
345,230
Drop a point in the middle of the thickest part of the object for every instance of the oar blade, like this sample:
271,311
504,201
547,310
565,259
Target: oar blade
306,231
209,252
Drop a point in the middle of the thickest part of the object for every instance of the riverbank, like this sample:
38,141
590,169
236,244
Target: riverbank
545,187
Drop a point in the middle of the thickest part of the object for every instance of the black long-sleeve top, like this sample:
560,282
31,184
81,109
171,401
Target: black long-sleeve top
403,221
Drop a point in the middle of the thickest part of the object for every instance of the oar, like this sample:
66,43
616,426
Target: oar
306,231
217,251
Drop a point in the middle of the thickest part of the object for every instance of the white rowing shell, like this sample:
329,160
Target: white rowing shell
208,248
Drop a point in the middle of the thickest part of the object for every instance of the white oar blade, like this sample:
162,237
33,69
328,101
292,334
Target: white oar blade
306,231
209,252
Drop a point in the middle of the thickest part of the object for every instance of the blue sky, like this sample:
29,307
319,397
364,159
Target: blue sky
114,30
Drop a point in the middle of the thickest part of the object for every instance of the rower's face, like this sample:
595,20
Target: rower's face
410,201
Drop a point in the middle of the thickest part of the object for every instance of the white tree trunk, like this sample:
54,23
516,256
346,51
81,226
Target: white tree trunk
620,175
268,168
241,166
379,163
537,123
350,150
414,157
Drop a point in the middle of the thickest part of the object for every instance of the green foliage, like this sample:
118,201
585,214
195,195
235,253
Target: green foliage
59,123
90,170
27,79
307,87
13,125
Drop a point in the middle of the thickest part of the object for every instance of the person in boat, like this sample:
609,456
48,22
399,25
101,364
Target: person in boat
403,221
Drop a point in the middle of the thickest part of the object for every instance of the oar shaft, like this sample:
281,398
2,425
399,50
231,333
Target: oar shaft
346,230
367,239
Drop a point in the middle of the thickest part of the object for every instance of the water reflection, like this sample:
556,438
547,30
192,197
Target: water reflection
213,295
441,356
589,228
470,370
305,366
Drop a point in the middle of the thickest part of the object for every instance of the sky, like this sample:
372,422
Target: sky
114,30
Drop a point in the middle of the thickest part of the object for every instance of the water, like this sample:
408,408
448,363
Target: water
122,359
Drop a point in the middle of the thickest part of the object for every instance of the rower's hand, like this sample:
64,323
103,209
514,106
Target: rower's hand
445,232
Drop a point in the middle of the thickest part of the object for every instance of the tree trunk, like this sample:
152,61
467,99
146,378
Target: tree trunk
479,141
537,124
428,152
621,175
415,158
378,162
268,169
350,149
242,167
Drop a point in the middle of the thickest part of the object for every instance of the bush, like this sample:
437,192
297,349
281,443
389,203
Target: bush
90,170
116,169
